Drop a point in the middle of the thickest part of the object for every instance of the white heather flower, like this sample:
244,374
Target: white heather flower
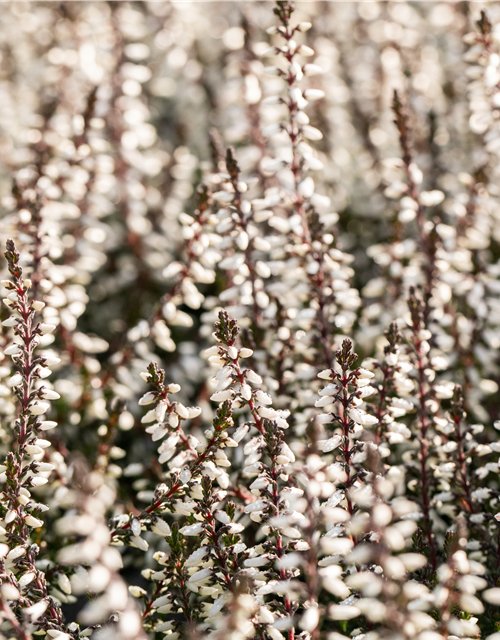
47,328
332,443
15,380
49,394
10,322
33,522
46,425
139,542
150,416
251,376
362,418
25,579
137,592
9,591
246,392
200,576
481,494
197,557
148,398
181,411
221,396
13,350
364,373
39,408
36,611
192,529
492,596
310,618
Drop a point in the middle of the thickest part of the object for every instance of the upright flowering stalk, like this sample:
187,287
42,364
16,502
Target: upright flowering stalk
346,391
96,564
316,270
24,467
426,406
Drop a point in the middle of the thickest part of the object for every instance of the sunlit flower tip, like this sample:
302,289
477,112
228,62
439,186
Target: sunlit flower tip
232,352
31,521
10,322
27,284
15,380
194,412
7,284
36,611
139,542
251,376
49,394
492,596
160,527
246,392
37,305
173,388
46,425
325,418
221,396
222,516
313,94
38,408
362,418
150,416
12,350
364,373
148,398
9,591
245,353
145,376
181,411
192,529
44,372
311,133
326,374
38,481
137,592
46,328
64,584
310,619
51,360
33,450
45,466
305,50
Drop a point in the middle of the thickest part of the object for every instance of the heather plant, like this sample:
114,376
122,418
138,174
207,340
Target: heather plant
249,364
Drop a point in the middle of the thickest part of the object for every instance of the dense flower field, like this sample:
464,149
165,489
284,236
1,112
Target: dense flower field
249,365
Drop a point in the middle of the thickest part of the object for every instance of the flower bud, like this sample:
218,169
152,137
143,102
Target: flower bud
15,380
31,521
39,407
46,425
49,394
